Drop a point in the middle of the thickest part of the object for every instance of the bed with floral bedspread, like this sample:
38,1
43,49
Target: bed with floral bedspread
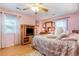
53,47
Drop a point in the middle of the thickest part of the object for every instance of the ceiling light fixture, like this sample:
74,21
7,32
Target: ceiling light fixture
35,9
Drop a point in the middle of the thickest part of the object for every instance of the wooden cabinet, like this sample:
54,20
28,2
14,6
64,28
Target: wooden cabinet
26,37
26,40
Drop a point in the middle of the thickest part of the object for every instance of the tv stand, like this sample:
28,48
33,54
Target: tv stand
26,37
27,40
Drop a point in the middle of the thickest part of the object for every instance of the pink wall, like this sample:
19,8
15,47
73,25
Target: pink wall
27,20
73,21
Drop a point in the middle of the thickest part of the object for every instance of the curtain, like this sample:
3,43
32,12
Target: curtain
0,30
61,23
10,23
9,34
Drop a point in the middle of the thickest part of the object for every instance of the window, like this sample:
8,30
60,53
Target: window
61,24
10,24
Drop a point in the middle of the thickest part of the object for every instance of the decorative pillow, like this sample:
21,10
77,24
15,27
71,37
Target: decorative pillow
62,35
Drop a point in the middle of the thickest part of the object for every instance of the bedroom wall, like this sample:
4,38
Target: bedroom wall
12,39
73,21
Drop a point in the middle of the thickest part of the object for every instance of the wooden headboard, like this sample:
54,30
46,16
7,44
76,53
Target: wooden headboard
75,31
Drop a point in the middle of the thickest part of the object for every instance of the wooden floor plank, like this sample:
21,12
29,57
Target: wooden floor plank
16,50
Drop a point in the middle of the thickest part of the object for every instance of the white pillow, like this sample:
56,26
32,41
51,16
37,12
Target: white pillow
52,32
62,35
51,36
58,31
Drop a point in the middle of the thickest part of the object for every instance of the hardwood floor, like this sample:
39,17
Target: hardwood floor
17,50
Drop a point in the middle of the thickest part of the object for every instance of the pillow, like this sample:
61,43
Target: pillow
52,32
51,36
58,31
62,35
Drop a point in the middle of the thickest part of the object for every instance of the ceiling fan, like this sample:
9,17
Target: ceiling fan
35,7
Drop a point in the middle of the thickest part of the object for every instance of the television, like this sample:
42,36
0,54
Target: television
29,31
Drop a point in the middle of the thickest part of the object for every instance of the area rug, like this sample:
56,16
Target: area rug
35,53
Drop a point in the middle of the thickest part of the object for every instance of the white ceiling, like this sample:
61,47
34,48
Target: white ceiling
54,9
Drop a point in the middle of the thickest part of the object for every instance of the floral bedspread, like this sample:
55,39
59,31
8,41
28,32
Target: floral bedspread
54,47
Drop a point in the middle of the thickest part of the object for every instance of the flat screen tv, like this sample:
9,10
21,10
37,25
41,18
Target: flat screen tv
29,31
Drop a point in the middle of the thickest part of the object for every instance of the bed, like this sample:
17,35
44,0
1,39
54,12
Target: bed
53,46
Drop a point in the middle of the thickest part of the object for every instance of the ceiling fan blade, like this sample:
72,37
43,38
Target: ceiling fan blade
26,8
18,8
39,3
22,9
42,8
